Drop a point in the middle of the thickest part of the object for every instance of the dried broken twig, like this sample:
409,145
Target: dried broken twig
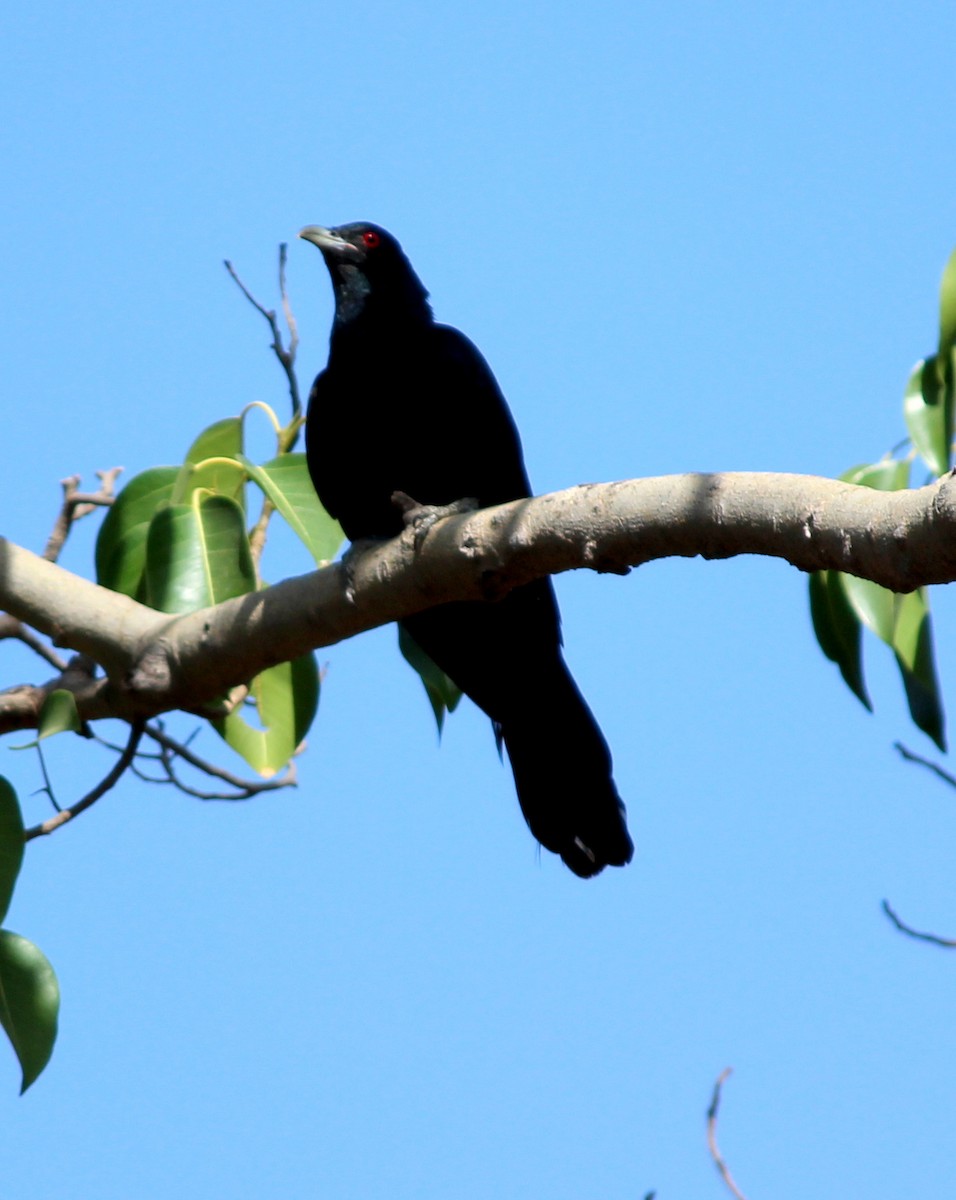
712,1137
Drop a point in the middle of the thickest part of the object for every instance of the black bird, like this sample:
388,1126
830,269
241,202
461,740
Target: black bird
407,405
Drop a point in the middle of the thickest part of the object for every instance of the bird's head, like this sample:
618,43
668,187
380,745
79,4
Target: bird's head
366,262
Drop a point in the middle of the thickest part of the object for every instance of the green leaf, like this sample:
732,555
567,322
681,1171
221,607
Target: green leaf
286,699
211,464
197,554
285,480
29,1003
223,439
121,543
874,605
11,843
887,475
903,622
928,409
947,307
913,643
838,630
58,715
443,694
215,477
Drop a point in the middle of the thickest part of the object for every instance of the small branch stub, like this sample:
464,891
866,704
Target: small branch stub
715,1154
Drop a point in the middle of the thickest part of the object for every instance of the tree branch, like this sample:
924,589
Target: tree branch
286,356
114,776
244,789
938,771
78,504
10,627
946,943
155,662
712,1137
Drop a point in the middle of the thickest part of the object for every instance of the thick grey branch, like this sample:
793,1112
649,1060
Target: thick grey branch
155,662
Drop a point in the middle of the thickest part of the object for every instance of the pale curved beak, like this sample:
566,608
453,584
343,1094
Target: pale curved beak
327,240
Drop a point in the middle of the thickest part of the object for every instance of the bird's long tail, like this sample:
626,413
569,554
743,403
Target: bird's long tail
562,771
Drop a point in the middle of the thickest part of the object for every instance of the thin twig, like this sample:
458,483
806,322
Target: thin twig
259,531
712,1137
10,627
246,788
909,756
947,943
77,504
285,356
47,782
293,332
119,767
171,749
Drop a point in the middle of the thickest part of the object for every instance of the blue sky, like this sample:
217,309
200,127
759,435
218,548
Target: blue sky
705,238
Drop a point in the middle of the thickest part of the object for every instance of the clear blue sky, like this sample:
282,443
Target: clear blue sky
687,237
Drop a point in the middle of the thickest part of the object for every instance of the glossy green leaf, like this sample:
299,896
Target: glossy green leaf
286,699
214,476
210,464
29,1003
838,630
197,554
887,475
223,439
285,480
58,715
11,843
947,306
913,643
443,694
874,605
121,543
928,410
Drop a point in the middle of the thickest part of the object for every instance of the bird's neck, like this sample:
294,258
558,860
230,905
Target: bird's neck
392,302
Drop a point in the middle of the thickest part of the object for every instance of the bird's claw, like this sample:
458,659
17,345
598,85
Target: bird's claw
421,518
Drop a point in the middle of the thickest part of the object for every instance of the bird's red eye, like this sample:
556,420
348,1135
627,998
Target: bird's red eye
370,239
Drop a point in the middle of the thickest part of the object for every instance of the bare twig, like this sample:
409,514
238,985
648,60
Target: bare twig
293,333
286,356
245,788
10,627
712,1137
47,781
289,434
257,534
170,749
77,504
909,756
947,943
119,768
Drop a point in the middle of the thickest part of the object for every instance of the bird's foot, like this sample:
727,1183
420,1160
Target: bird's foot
420,518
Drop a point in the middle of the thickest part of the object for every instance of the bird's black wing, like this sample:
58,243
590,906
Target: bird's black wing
474,446
415,410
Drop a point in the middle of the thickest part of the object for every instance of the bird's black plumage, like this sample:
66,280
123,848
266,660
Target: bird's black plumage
411,406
